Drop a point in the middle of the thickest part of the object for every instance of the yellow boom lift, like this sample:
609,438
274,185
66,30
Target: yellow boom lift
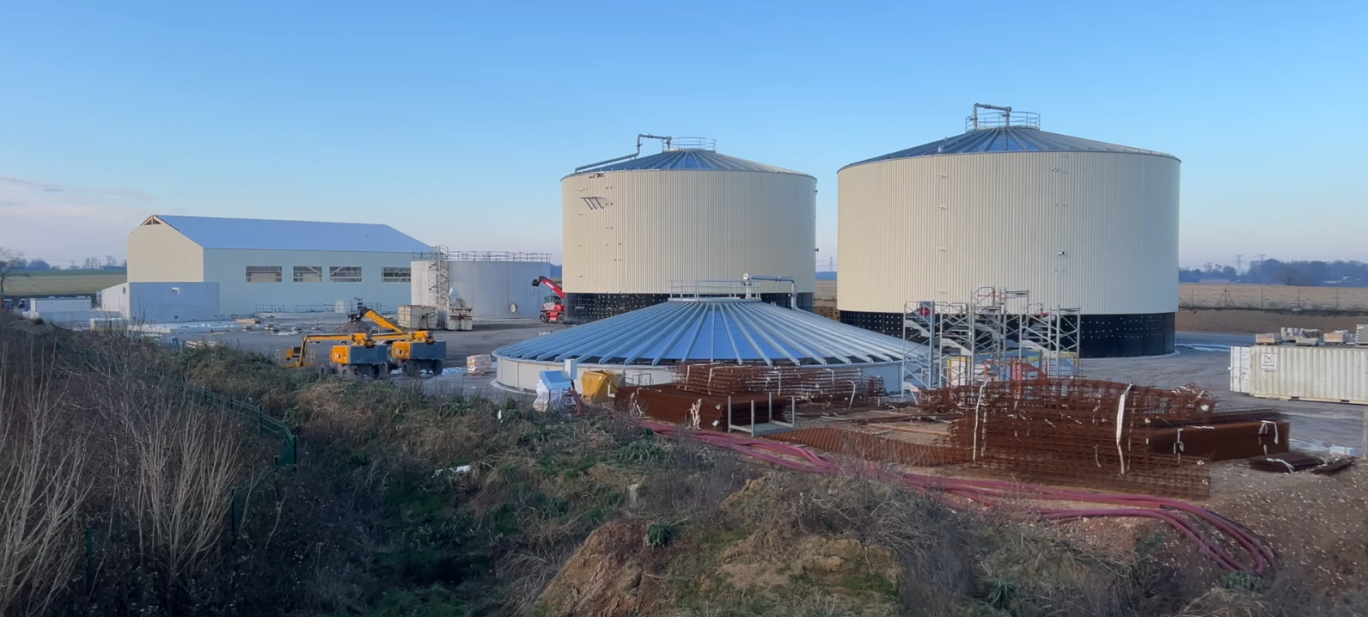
355,354
414,353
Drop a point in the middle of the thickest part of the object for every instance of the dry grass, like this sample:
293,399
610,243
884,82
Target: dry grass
1235,296
47,284
1272,297
86,446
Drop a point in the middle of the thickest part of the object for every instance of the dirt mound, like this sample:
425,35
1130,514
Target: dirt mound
33,328
1315,523
604,577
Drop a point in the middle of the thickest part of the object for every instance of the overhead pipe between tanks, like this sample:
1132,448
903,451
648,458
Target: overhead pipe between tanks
640,136
793,285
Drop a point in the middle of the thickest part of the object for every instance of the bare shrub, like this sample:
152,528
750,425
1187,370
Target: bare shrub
42,484
102,454
185,466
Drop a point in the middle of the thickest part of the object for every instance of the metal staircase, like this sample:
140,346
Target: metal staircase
998,335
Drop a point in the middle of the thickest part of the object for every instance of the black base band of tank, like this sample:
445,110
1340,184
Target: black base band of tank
1102,336
583,308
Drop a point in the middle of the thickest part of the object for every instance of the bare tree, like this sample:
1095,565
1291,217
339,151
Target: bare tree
10,261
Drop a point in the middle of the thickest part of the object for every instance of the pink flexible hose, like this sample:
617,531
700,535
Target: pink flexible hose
993,493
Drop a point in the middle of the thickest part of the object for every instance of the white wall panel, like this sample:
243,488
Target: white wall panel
162,302
1096,231
238,297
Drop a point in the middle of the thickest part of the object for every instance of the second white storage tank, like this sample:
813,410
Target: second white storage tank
634,225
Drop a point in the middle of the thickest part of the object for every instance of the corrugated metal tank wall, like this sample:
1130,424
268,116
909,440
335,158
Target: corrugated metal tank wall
490,288
647,228
1096,231
493,288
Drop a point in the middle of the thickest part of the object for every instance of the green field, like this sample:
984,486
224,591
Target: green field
60,282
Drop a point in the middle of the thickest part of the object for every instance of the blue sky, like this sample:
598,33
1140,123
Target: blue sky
456,121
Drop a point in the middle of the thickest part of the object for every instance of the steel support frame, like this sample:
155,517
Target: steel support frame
980,331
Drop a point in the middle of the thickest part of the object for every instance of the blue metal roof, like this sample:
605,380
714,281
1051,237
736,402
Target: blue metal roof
689,160
712,330
263,234
1007,139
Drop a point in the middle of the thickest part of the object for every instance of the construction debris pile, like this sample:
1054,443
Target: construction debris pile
716,396
1103,434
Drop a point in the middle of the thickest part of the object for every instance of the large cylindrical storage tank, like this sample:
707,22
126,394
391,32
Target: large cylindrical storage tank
1078,223
493,285
500,289
634,226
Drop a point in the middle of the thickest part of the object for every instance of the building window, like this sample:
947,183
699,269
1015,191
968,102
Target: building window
396,275
308,274
264,274
344,274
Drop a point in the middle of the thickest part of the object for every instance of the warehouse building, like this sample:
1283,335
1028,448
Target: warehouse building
1079,224
636,225
246,266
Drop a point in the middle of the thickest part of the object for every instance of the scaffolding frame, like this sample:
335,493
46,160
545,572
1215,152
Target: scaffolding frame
438,279
998,335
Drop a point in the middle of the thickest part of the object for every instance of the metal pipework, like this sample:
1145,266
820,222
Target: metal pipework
1005,110
793,285
640,136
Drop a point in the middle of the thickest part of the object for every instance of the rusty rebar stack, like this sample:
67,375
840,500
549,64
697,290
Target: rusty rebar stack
803,382
1101,434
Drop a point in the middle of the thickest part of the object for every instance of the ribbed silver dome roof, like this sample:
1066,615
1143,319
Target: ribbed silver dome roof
688,159
744,331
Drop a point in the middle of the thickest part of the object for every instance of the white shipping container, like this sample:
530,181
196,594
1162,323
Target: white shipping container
59,305
1333,374
1239,369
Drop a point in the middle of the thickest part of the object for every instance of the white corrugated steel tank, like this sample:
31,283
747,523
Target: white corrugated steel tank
492,289
634,225
1079,223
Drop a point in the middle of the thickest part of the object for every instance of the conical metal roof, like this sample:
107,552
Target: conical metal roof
688,159
745,331
1007,139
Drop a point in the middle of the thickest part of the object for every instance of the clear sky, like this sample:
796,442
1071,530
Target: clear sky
455,122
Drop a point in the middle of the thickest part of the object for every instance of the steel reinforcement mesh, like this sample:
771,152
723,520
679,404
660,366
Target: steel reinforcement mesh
668,403
873,447
805,383
1084,432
